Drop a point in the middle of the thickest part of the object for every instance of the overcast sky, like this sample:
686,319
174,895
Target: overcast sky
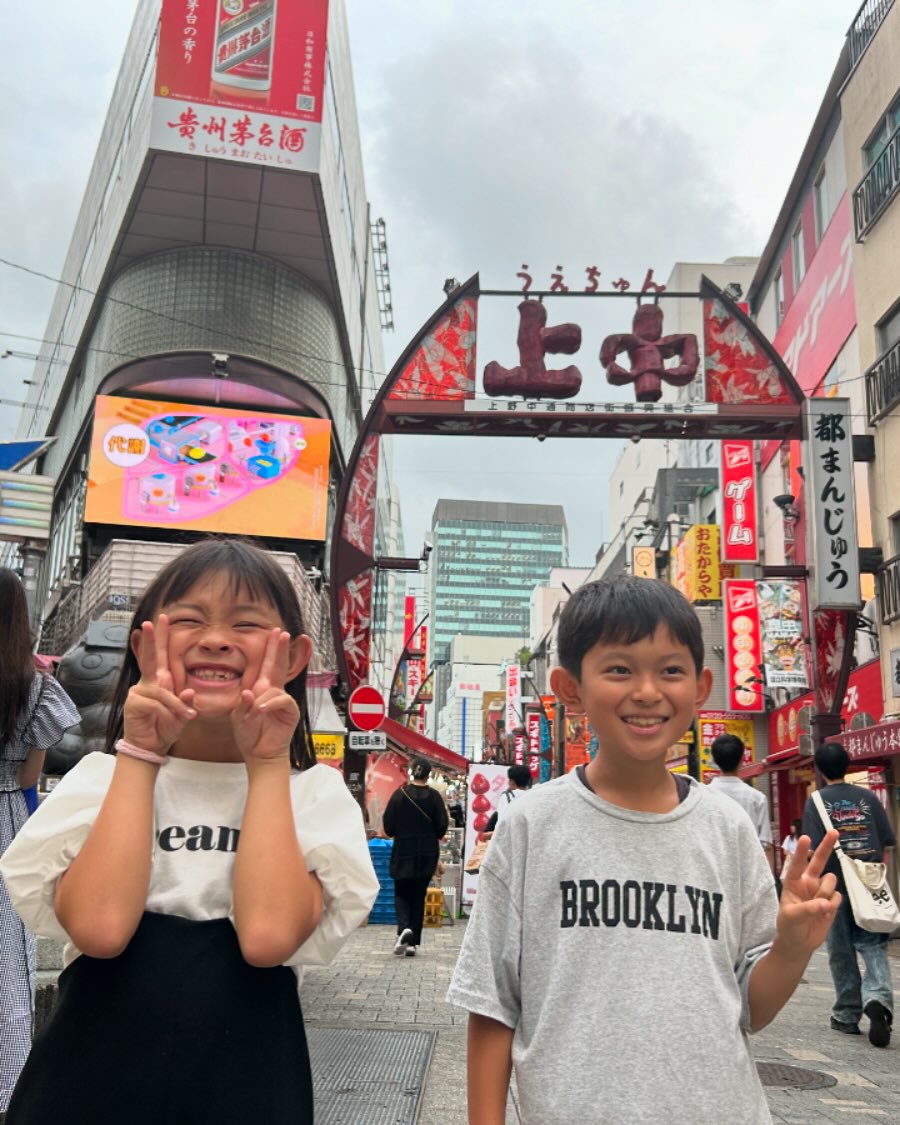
619,134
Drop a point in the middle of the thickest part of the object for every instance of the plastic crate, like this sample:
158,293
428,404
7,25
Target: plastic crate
383,915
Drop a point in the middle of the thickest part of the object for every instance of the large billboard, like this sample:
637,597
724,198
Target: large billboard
237,472
242,80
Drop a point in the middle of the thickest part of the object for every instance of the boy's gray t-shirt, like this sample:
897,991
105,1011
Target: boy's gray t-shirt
619,945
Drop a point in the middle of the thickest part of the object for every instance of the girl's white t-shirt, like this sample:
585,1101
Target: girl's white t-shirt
198,808
789,845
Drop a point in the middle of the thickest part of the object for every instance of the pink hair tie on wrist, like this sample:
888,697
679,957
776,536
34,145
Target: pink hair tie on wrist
126,748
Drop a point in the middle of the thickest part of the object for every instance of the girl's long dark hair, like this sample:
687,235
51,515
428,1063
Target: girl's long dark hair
16,667
248,568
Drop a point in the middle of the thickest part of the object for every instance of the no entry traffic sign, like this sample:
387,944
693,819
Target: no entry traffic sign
365,708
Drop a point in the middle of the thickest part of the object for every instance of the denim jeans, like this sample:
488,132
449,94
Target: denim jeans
853,992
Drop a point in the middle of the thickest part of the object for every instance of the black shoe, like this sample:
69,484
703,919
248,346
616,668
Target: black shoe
880,1020
847,1028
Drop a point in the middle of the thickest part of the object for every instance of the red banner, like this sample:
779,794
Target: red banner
740,533
743,646
242,80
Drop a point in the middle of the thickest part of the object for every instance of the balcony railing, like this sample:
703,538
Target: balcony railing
883,385
862,30
889,590
877,187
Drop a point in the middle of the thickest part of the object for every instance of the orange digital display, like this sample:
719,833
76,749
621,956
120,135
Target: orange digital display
215,469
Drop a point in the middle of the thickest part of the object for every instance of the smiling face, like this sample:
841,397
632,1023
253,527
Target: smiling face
640,698
217,640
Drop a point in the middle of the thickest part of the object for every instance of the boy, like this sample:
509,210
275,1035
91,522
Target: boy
626,917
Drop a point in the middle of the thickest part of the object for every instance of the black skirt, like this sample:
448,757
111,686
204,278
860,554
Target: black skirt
177,1029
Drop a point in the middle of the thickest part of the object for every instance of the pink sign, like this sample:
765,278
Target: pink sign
740,537
534,744
822,314
743,646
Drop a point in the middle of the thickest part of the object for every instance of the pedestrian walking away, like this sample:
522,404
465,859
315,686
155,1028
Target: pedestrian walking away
728,753
34,714
417,819
193,868
865,833
610,883
519,781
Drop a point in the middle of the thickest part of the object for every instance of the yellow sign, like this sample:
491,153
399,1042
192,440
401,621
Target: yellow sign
643,562
696,570
328,747
714,723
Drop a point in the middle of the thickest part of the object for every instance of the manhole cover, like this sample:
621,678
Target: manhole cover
796,1077
376,1076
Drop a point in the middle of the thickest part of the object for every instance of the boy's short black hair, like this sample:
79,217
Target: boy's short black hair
727,752
520,776
832,760
625,610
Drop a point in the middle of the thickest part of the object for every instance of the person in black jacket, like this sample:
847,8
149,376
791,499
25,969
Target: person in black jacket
416,817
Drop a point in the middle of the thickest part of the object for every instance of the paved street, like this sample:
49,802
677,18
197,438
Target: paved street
368,986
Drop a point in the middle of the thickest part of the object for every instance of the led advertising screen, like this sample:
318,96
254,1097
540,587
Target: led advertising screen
214,469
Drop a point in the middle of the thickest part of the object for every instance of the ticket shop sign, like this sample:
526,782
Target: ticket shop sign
743,646
740,536
714,723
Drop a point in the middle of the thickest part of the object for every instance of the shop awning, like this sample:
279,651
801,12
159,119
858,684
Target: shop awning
411,742
871,744
779,761
323,715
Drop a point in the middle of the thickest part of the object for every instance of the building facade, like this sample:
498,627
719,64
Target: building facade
221,260
487,558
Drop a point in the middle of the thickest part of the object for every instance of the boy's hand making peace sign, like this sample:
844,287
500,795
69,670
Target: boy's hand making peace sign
266,718
154,715
809,900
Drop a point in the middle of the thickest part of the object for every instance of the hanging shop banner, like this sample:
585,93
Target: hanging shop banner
643,562
533,729
486,785
714,723
578,738
833,547
696,570
241,80
743,646
740,533
409,618
513,710
780,618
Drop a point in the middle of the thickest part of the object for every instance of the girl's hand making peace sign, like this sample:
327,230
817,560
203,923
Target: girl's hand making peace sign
154,716
266,718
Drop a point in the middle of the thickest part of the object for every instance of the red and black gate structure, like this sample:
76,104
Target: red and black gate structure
747,393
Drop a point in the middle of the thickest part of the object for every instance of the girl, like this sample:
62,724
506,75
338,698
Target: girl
34,713
193,871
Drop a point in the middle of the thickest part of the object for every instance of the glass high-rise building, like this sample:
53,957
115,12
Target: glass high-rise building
487,558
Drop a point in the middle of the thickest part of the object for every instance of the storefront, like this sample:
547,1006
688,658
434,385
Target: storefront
873,746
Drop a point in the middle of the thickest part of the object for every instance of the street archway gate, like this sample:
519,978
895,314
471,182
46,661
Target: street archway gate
748,393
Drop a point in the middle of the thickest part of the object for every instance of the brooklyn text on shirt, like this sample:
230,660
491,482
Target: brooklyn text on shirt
198,838
645,905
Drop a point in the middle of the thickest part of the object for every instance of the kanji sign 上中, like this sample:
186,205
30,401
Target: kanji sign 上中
743,646
831,525
740,540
